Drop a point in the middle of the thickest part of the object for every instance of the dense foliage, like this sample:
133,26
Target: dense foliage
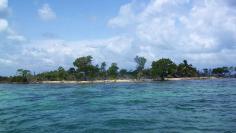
84,69
162,68
140,61
186,70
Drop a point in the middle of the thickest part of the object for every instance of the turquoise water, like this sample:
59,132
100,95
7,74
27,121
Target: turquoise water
171,106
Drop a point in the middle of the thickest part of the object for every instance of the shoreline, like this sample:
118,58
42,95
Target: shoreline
114,81
192,78
90,82
125,80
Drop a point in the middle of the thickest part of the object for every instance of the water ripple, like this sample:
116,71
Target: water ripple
174,106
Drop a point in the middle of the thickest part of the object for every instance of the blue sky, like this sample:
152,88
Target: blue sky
41,35
77,19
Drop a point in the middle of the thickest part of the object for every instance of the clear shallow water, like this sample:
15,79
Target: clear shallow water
173,106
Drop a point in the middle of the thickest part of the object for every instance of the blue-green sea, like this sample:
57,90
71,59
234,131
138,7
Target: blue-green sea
198,106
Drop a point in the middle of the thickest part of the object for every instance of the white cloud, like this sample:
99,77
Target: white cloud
181,29
7,32
3,25
46,13
5,61
9,41
17,38
3,9
50,53
126,16
201,31
3,5
14,36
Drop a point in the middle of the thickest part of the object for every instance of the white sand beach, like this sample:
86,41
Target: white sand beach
124,80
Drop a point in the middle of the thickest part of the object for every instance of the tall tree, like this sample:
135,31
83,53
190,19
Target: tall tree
103,70
186,70
140,61
62,74
82,63
71,73
24,75
84,66
163,68
113,71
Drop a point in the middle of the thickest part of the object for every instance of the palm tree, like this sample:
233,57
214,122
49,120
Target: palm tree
23,73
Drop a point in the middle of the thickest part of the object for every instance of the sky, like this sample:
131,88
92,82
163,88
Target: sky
41,35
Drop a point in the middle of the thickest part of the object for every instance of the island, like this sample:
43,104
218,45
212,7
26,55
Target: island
84,71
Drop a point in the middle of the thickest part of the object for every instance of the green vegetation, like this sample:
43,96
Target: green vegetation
4,79
113,71
23,76
163,68
140,61
220,70
103,72
186,70
84,69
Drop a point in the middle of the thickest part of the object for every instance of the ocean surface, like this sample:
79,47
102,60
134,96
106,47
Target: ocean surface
172,106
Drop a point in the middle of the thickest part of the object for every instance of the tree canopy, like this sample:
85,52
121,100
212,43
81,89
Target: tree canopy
186,70
163,68
113,71
84,69
140,61
140,64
